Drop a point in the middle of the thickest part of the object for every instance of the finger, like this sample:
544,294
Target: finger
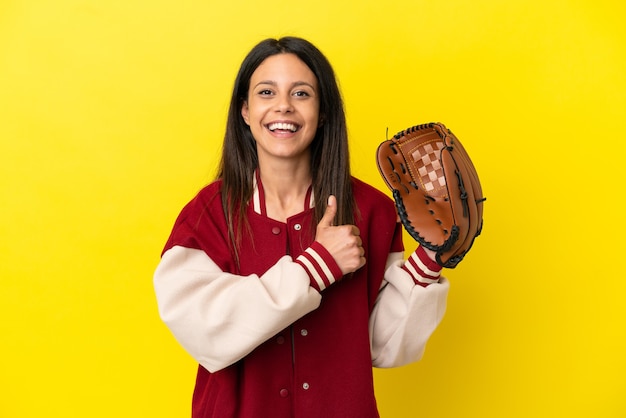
331,211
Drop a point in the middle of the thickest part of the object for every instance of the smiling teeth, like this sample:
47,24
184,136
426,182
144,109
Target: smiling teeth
282,126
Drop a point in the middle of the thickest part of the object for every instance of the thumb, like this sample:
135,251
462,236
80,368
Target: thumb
331,211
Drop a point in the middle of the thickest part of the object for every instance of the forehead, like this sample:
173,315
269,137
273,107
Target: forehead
284,67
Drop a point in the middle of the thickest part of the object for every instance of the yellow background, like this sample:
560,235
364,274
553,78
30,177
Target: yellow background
111,118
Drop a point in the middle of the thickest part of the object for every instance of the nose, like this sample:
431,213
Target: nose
283,103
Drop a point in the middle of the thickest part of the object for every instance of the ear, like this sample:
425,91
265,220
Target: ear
245,112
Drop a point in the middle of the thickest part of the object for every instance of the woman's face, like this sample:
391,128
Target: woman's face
282,108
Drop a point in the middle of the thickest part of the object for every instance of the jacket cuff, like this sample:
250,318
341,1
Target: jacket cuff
320,266
422,269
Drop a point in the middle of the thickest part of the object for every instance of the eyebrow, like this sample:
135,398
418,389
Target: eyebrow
295,84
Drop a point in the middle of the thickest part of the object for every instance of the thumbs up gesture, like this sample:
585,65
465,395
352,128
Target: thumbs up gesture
342,242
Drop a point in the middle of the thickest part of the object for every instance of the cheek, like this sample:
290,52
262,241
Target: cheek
254,112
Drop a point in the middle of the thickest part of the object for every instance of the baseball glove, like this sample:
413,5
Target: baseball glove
436,189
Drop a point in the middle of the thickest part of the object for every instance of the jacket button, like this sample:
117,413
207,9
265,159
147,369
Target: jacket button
276,230
304,332
284,393
280,339
297,227
305,386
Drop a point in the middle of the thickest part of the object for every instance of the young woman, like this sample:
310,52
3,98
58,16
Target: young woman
285,278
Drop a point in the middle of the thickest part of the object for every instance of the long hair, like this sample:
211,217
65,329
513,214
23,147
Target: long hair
330,162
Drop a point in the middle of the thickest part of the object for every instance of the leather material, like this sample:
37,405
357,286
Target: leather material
436,189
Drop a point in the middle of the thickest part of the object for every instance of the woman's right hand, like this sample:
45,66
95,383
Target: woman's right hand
342,242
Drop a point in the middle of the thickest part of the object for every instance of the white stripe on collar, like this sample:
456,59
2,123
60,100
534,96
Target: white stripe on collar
256,198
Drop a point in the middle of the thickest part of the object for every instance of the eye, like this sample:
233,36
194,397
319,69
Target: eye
301,93
264,92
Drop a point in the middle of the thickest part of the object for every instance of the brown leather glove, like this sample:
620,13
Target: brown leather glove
436,189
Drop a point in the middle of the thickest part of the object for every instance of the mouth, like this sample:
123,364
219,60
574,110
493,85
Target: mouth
282,126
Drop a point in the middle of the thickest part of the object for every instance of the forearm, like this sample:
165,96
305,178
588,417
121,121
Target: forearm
219,317
406,313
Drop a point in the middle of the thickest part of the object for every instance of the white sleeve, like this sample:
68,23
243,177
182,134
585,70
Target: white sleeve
404,316
219,317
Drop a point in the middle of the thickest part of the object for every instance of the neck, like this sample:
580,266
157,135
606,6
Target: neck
285,189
